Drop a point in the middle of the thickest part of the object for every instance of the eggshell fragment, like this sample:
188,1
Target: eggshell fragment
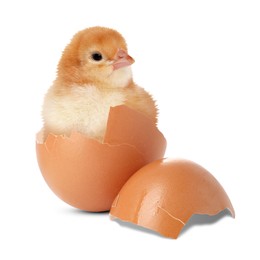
88,174
135,129
164,194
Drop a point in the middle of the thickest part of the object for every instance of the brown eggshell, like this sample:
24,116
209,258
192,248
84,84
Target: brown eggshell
88,174
150,143
164,194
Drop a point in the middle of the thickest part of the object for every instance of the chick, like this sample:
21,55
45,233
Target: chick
93,75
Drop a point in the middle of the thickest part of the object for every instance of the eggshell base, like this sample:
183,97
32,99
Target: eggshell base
88,174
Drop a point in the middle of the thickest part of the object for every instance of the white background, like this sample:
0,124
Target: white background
201,62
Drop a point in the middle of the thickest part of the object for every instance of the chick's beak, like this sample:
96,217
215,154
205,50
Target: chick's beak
122,59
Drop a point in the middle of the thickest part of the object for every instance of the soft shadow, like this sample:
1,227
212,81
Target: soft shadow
199,220
82,212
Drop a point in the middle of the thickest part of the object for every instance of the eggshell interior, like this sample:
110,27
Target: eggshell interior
164,194
88,174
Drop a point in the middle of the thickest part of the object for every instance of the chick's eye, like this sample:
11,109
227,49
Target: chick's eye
96,56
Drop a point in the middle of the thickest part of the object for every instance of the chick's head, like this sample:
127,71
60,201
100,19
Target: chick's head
98,56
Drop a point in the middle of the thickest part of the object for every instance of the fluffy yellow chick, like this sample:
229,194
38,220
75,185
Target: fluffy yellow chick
93,75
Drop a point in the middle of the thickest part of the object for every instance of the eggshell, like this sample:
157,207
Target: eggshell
164,194
137,130
88,174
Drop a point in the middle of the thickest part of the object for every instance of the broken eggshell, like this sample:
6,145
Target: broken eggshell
88,174
163,195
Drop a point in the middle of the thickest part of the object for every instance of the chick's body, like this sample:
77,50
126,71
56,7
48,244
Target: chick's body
93,75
